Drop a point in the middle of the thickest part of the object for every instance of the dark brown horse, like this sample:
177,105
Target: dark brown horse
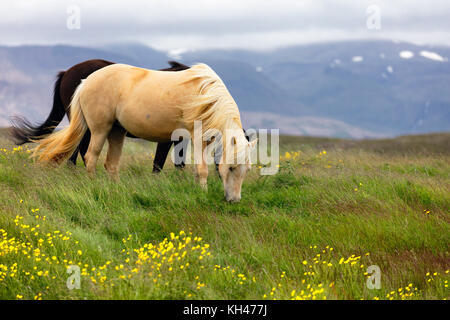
67,81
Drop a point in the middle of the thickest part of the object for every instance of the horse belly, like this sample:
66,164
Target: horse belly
155,123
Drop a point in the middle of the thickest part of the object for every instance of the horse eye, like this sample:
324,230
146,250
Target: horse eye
231,168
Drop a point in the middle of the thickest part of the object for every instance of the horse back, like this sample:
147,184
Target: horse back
74,75
147,103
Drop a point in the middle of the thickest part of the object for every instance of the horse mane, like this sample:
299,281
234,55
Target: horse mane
175,66
213,105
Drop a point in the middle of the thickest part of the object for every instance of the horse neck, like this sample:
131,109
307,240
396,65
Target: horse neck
234,128
234,125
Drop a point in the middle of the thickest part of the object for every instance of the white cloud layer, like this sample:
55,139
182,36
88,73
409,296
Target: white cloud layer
196,24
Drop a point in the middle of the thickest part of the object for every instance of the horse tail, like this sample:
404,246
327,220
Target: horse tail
60,145
24,131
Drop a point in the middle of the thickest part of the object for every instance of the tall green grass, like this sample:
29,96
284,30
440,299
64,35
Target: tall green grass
308,232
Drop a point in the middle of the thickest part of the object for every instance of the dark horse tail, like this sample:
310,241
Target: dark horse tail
24,131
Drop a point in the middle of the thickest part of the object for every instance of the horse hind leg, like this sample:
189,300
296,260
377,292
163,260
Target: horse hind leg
95,147
81,149
115,143
84,145
162,150
74,156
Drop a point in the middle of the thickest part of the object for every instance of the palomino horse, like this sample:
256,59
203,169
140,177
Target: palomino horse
152,104
67,81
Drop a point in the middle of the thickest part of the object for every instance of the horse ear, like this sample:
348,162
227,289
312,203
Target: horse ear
253,143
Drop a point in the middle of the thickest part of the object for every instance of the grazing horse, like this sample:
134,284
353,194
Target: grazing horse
152,104
67,81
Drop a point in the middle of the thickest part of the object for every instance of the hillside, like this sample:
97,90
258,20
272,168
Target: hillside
309,232
353,89
374,85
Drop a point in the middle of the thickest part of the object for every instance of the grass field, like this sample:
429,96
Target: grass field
310,232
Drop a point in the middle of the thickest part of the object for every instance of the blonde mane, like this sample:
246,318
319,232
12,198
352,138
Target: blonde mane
214,106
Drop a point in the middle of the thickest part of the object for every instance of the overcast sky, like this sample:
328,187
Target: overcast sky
251,24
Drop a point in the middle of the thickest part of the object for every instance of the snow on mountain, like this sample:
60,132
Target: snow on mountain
432,55
406,54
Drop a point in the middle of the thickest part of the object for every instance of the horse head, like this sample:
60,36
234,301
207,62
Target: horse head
232,173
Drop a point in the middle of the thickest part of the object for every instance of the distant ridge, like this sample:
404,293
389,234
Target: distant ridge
343,89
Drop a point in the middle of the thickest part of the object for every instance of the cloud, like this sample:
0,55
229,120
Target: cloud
200,24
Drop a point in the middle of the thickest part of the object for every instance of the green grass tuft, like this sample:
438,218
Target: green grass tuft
309,232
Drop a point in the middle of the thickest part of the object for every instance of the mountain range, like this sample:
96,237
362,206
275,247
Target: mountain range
351,89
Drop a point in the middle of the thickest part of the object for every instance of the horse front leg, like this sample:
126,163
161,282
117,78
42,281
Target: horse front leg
202,175
202,171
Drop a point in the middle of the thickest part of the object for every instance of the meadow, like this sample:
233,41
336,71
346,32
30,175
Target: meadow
311,231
